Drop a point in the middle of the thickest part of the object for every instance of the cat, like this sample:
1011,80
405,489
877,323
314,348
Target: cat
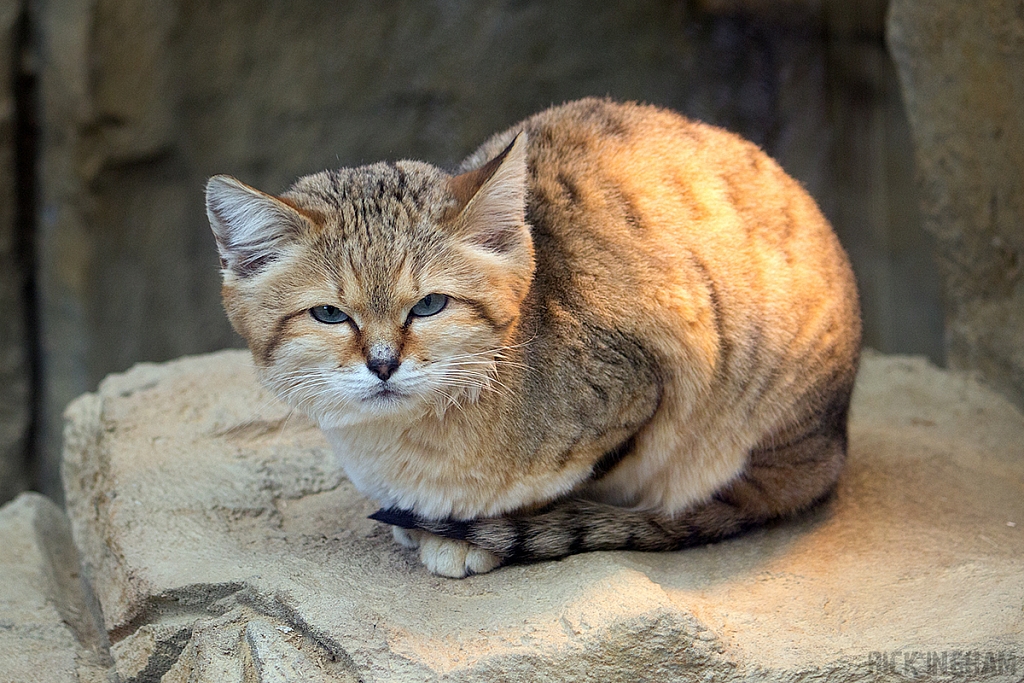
611,328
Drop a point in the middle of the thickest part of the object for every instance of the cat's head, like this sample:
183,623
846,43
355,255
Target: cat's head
380,290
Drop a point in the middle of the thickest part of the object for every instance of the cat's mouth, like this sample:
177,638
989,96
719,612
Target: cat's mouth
386,395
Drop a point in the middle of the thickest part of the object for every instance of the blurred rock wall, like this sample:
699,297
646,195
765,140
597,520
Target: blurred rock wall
15,395
962,69
139,101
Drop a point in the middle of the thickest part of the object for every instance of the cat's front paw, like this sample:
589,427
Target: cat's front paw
454,559
407,538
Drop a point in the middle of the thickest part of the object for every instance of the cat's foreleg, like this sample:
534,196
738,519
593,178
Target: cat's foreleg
454,558
407,538
445,556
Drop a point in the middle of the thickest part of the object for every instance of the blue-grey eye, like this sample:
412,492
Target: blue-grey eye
332,315
431,304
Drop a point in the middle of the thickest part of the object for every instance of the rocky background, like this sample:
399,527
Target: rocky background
114,112
15,340
962,70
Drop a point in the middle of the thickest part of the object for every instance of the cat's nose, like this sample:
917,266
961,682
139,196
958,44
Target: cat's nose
383,366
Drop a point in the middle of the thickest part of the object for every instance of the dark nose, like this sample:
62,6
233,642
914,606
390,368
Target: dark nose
383,366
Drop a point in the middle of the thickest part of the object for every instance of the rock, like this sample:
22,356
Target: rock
274,660
14,371
47,631
962,65
224,546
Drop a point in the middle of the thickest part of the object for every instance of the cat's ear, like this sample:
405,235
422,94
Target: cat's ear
492,200
251,227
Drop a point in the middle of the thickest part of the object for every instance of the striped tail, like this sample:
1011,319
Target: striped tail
575,526
778,481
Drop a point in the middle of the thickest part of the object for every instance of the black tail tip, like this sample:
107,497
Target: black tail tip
395,517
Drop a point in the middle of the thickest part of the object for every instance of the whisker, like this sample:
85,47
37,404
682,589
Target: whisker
475,381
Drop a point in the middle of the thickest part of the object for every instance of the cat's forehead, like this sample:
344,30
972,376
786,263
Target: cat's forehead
398,194
376,220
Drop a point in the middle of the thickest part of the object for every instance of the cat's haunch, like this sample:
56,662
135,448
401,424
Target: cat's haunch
611,327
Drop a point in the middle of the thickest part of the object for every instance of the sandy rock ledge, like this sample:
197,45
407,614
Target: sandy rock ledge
222,545
48,630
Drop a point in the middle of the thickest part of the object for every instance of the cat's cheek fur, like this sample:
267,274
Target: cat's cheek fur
505,278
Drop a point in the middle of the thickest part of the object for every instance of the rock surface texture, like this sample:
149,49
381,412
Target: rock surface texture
47,631
962,69
223,545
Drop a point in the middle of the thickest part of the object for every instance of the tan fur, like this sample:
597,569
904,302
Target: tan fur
621,280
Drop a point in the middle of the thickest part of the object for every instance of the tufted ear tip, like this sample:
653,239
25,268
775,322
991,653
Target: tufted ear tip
466,185
250,226
492,199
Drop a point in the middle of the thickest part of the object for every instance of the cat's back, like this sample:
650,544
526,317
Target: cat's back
691,240
630,197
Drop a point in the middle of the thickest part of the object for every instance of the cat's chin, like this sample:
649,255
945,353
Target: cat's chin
392,406
387,400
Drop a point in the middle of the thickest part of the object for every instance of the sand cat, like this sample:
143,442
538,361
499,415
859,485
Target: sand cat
611,327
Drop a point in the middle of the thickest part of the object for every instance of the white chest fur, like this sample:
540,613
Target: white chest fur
364,453
440,475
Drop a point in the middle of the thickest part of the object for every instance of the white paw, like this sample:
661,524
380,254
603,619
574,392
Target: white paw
455,559
408,538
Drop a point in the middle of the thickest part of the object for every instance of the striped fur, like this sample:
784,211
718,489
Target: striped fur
649,337
779,480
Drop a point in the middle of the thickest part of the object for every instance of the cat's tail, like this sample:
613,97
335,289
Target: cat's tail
574,526
778,481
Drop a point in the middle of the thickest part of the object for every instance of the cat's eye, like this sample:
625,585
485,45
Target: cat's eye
332,315
431,304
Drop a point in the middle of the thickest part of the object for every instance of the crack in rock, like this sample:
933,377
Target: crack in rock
162,657
272,658
225,632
